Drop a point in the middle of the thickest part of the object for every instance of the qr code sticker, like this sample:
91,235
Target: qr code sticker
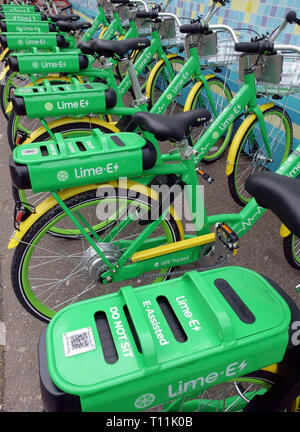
78,342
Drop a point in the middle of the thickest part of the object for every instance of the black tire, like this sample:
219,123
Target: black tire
253,156
159,83
291,249
200,100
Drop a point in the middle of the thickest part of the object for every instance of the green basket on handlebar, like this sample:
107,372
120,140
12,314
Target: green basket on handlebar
142,347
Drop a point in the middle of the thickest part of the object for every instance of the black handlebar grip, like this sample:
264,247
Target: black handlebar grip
223,2
191,28
247,47
254,47
150,15
124,2
291,17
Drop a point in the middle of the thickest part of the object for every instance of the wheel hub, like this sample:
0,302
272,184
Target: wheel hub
94,264
259,158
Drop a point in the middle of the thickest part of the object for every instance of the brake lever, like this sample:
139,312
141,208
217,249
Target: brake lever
259,39
196,20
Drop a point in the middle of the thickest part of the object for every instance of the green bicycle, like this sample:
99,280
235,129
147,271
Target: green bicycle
122,229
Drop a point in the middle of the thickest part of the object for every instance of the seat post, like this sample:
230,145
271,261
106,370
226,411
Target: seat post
140,99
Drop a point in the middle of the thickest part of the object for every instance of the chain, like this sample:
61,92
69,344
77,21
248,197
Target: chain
221,260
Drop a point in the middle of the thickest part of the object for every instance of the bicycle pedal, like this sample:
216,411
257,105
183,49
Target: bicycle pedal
204,175
228,237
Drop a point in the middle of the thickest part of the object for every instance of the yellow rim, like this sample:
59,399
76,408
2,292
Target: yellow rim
239,136
67,120
191,96
102,33
153,73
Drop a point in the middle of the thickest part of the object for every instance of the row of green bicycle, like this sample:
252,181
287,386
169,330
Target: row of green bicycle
263,140
107,217
90,162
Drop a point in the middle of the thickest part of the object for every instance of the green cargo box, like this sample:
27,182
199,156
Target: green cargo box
26,41
23,16
139,348
20,8
60,100
27,27
63,163
56,61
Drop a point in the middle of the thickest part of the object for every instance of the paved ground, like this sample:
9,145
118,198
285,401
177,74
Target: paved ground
261,250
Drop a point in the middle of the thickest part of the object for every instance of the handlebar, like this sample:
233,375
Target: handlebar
193,28
291,18
266,45
199,28
123,2
127,2
254,47
282,47
154,14
212,9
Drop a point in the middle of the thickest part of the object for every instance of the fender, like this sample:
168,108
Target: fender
102,32
193,92
50,202
3,54
153,72
238,137
68,120
284,231
4,73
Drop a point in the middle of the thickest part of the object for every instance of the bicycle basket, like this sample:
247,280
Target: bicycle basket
144,26
268,68
215,49
207,44
169,33
290,79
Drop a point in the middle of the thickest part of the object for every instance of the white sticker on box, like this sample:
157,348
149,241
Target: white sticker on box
28,152
78,341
